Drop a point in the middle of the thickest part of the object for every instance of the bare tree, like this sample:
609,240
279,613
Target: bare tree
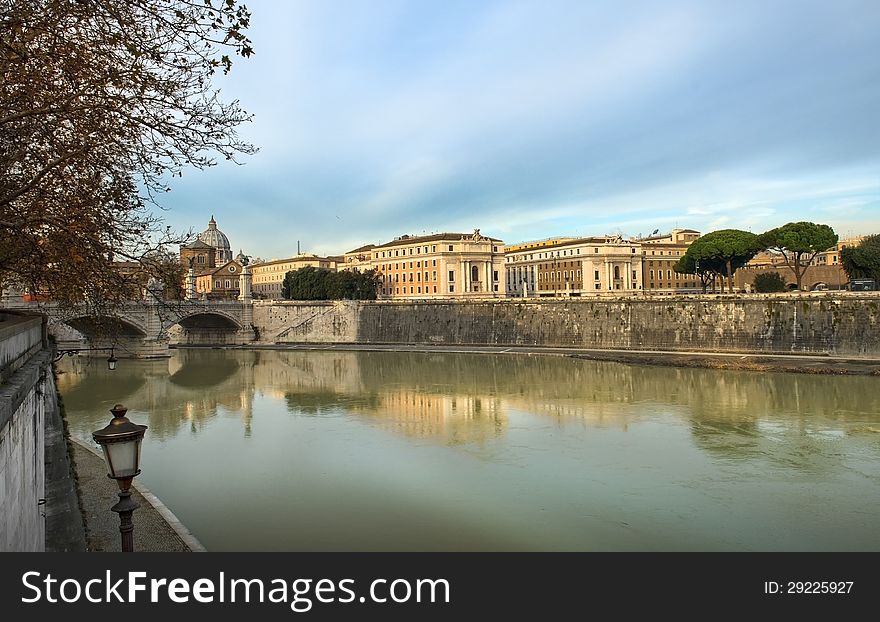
102,102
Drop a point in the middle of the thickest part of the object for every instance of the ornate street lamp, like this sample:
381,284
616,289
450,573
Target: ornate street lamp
111,361
121,442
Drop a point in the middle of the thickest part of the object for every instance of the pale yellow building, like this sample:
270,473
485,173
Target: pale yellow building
573,267
268,276
360,259
660,253
442,265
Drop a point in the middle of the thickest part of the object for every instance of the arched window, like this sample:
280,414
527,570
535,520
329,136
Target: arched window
616,272
475,273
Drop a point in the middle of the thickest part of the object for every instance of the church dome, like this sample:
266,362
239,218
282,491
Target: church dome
216,238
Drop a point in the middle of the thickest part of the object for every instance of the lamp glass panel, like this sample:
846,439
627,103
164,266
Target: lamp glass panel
122,458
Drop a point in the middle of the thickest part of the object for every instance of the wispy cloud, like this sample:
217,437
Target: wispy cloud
529,119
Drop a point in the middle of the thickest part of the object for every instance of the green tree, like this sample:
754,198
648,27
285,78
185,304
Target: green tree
705,271
321,284
799,243
862,261
723,252
768,282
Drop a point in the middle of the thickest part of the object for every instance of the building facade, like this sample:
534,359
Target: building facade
220,283
442,265
268,276
573,267
659,256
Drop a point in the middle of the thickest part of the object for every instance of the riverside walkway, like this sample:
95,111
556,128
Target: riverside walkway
156,529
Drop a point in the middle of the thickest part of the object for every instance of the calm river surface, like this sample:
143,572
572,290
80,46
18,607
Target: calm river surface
380,451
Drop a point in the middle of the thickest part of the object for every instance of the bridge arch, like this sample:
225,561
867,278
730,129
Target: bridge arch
208,319
104,326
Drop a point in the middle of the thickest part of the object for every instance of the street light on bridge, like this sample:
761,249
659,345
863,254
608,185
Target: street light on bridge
121,442
111,360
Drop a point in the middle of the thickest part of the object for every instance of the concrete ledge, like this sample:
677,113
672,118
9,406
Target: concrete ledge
167,515
16,388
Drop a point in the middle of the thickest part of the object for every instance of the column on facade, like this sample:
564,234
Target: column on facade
609,274
490,284
464,276
628,278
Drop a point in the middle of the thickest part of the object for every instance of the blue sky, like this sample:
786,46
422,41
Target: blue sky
377,118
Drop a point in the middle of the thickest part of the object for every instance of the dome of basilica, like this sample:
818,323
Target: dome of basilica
216,238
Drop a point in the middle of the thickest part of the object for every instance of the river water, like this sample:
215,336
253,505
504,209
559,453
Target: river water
383,451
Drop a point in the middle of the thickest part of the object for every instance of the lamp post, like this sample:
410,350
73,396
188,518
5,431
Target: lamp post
121,442
111,360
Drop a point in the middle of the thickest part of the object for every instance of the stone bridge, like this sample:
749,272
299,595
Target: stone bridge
145,328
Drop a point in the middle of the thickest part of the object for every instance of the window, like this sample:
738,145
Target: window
420,289
634,275
495,275
435,289
419,277
595,250
633,250
451,287
396,253
418,252
228,284
232,268
595,275
494,249
411,289
434,262
652,275
404,277
669,274
451,276
410,252
616,272
426,277
434,248
411,279
434,275
410,265
216,284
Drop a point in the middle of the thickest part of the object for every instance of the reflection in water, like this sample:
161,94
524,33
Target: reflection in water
521,439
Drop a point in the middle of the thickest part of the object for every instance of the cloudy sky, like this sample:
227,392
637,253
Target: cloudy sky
377,118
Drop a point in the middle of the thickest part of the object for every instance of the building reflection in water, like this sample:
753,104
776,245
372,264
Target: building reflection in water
462,399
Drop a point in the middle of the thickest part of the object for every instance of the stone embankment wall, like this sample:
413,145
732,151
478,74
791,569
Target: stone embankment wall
839,323
26,387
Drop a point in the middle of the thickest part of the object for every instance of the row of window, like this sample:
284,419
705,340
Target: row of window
418,251
550,255
418,264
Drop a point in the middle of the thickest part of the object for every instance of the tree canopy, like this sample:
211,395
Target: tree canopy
862,261
322,284
799,243
706,271
721,252
102,102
